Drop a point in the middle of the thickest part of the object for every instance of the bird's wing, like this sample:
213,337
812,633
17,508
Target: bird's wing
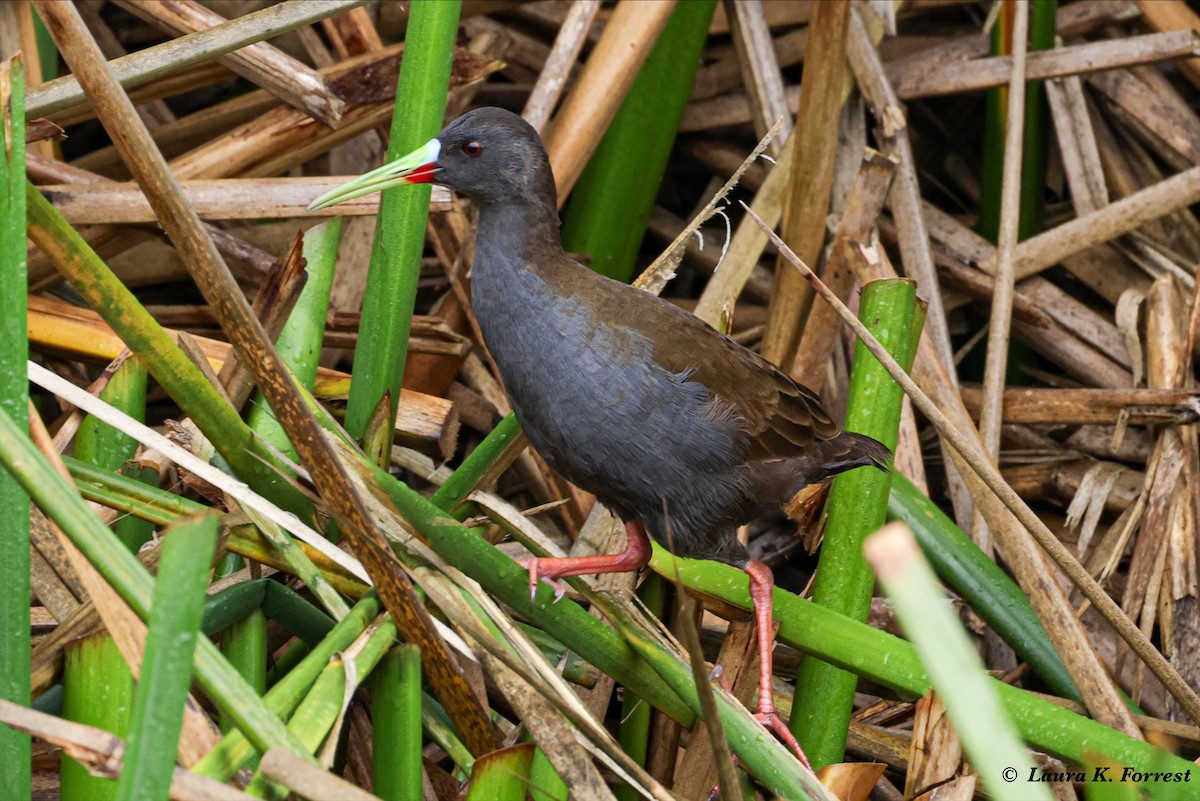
780,417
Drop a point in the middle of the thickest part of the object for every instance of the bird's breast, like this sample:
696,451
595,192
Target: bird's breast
595,404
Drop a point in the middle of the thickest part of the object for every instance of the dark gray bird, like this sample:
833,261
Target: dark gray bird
623,393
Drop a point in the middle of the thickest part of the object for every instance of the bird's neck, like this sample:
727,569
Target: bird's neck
526,232
518,261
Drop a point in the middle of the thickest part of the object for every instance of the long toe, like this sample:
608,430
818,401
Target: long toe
773,722
560,589
533,565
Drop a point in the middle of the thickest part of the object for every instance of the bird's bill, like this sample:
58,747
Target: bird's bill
418,167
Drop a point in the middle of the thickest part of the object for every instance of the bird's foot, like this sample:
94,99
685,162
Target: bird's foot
771,720
533,565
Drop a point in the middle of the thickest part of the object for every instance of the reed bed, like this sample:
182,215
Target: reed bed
268,444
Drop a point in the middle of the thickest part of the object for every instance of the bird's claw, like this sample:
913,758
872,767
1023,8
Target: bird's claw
533,566
771,720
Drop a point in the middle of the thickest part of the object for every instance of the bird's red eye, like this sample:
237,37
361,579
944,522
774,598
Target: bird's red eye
472,149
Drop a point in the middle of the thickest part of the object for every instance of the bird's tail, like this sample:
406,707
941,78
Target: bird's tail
849,450
844,452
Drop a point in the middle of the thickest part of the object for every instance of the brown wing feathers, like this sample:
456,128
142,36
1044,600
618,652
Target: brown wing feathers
780,417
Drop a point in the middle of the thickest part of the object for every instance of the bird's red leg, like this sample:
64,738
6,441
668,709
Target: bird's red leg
762,585
635,555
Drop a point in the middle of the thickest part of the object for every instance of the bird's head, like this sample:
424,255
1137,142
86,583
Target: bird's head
489,154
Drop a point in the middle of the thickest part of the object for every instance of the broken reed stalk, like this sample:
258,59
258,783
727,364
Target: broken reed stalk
300,341
315,716
264,65
982,467
109,202
1047,249
593,101
952,77
615,193
892,127
751,35
864,202
1171,17
553,78
655,277
806,201
1105,407
744,248
1000,323
857,506
224,760
907,209
145,65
